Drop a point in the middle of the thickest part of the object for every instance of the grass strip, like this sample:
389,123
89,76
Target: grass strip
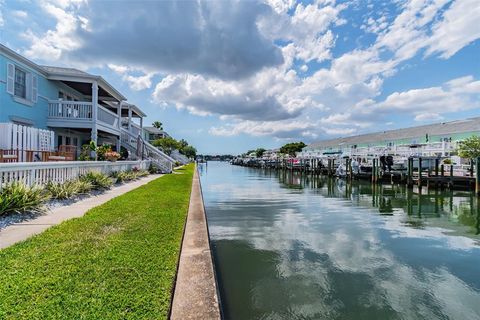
116,262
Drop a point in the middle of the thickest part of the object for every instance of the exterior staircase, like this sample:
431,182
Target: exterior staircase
179,157
138,148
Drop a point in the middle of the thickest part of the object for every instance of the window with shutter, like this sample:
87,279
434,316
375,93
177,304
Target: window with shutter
10,78
20,83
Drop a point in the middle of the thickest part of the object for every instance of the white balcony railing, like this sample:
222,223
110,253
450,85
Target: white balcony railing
106,116
135,129
59,109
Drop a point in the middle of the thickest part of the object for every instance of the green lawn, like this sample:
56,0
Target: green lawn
117,262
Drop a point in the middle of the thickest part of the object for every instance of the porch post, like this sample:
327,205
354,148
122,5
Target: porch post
119,114
119,124
94,135
129,118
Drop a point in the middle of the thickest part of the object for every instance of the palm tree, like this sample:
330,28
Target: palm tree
158,125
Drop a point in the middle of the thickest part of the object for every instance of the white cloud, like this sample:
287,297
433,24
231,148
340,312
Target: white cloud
428,116
459,94
281,129
19,14
53,43
239,60
2,21
218,39
120,69
139,82
136,82
458,28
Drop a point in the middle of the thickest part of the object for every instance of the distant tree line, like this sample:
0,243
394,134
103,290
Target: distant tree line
218,157
168,144
290,149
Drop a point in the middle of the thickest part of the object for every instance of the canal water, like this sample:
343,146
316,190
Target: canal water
288,246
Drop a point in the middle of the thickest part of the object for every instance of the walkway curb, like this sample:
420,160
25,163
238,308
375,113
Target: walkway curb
195,295
21,231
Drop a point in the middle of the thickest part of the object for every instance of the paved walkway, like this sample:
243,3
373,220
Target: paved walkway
195,294
24,230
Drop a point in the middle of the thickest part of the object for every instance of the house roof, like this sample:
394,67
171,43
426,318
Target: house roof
443,128
66,71
155,130
72,74
134,108
61,73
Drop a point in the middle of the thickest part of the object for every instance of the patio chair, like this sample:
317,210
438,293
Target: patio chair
68,151
8,156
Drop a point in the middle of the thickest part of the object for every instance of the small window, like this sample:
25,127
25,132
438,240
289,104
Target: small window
20,83
59,140
60,95
67,140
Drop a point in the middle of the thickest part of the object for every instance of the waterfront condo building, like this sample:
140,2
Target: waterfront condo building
45,108
438,139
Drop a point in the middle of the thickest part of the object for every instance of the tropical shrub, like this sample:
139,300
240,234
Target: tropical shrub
65,190
102,151
153,168
469,148
142,173
98,180
17,198
85,153
84,186
121,176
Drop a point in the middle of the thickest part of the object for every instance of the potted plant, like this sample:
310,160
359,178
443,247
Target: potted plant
111,155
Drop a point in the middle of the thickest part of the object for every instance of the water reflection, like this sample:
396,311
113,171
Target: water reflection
288,246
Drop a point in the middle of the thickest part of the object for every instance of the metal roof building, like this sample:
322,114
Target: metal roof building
421,134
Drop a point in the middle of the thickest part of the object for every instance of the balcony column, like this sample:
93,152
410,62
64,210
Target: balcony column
94,135
119,114
129,118
119,125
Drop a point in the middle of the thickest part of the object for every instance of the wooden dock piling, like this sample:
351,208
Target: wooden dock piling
477,176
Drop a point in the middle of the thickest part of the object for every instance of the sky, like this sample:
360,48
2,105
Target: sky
229,76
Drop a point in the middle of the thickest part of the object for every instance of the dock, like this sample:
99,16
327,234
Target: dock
419,171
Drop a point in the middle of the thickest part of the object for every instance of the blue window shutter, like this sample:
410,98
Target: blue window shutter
34,88
10,78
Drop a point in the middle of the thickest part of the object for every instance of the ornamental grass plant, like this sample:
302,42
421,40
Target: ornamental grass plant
16,197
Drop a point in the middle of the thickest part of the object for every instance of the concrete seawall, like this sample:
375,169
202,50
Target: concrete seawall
195,295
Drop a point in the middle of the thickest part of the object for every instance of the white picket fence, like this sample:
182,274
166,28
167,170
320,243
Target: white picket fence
23,139
40,173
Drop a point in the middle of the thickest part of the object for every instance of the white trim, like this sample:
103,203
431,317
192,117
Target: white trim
23,101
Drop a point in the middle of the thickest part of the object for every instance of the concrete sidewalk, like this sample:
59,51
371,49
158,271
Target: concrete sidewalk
24,230
195,295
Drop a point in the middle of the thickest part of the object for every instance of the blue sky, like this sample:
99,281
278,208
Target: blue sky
228,76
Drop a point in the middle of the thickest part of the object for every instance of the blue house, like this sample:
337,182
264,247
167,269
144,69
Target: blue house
77,106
